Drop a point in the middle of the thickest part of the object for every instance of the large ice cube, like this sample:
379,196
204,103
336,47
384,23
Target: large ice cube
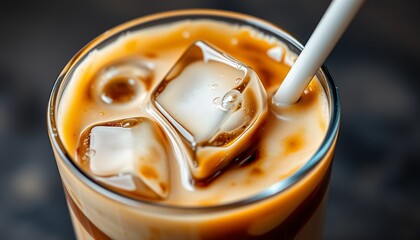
215,103
124,152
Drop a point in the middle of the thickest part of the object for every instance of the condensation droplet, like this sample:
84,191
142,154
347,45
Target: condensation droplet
213,86
217,101
102,113
231,100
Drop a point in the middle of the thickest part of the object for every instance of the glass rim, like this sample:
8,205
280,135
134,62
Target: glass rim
275,189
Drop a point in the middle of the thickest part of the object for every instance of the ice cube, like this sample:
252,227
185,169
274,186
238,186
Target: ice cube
276,53
123,82
215,103
117,152
129,184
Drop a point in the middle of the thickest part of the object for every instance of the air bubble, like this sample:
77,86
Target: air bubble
129,122
234,41
238,80
213,86
90,152
231,100
86,142
186,34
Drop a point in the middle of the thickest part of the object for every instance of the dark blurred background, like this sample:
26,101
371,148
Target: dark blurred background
375,186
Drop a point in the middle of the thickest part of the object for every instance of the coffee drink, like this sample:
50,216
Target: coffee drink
168,131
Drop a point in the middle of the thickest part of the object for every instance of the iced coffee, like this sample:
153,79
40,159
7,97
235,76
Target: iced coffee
164,128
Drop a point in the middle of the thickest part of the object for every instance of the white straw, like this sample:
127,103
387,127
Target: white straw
329,30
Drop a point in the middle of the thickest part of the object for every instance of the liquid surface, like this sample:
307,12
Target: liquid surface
116,83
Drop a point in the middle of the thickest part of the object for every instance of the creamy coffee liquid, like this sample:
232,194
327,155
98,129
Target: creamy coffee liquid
110,128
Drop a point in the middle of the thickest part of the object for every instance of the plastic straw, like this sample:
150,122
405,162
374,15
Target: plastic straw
329,30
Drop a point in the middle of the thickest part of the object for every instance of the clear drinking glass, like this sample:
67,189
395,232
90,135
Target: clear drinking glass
99,213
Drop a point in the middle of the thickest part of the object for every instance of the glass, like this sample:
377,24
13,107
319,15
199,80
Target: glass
257,217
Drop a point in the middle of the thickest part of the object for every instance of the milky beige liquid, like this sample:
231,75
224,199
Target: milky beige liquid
288,137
